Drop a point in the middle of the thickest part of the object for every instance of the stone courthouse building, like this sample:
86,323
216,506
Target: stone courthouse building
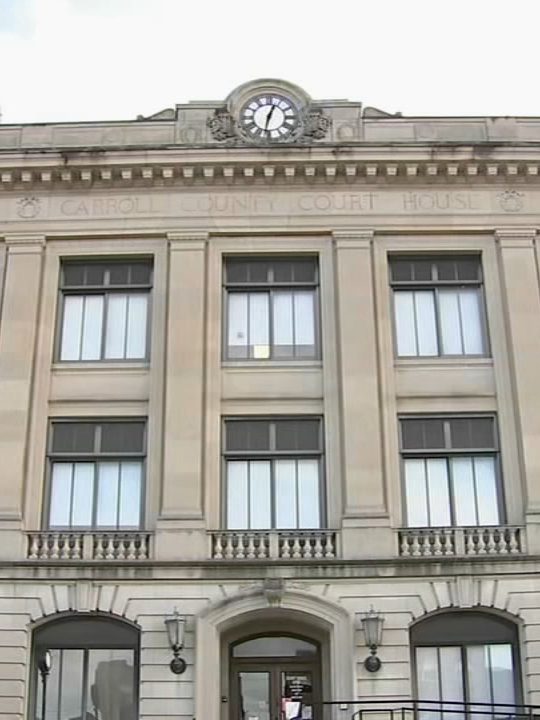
270,414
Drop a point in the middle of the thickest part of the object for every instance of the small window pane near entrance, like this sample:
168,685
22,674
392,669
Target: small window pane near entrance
274,647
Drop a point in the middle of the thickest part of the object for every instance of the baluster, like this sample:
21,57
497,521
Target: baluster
33,549
261,549
513,541
250,547
218,546
131,548
318,549
229,546
415,545
53,553
77,547
470,545
491,541
309,547
448,542
330,548
425,545
404,546
285,547
240,554
481,542
63,547
502,540
437,545
108,547
297,548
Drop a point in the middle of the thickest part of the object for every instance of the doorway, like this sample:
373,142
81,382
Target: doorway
275,677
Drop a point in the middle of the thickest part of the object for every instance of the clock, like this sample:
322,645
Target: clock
269,117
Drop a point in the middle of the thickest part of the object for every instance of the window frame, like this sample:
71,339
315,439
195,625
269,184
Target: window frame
271,456
95,458
105,291
447,454
67,619
270,288
458,641
435,285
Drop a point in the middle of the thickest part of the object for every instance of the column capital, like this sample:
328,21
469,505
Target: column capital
187,239
522,237
353,238
20,243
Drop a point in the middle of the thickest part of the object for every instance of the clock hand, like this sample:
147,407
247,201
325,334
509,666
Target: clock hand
269,116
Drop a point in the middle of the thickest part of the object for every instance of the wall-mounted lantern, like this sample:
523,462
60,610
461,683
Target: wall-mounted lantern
176,625
372,624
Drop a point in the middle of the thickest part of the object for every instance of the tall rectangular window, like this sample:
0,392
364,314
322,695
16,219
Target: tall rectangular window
273,473
272,308
438,306
96,474
105,310
450,468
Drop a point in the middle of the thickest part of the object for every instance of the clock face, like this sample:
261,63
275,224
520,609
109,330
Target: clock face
269,117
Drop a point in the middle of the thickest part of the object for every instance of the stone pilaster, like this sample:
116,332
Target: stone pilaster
365,520
522,308
182,512
18,330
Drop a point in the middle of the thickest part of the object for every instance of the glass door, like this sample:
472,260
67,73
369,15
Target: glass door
275,692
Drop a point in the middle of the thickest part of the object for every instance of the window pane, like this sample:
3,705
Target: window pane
304,324
237,325
122,437
115,339
502,673
260,496
452,343
426,326
73,274
478,675
83,494
237,495
283,324
92,327
416,494
464,495
286,494
259,326
118,274
73,437
297,435
401,270
439,499
405,323
72,328
130,494
59,513
111,684
451,677
247,435
309,514
136,326
428,679
486,491
108,491
275,647
71,685
469,302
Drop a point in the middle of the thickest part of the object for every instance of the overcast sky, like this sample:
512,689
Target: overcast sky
63,60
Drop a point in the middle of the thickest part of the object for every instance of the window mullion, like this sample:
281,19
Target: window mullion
83,321
105,320
95,496
438,320
84,694
451,489
271,332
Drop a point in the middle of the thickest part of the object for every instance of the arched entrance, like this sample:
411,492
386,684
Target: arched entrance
222,630
275,677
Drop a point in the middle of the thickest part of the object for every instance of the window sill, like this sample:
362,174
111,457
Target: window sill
270,364
444,361
100,366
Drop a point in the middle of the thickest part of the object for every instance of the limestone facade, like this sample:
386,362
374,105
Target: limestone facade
369,187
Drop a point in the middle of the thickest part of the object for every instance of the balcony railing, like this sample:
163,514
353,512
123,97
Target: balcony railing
272,545
104,546
411,709
444,542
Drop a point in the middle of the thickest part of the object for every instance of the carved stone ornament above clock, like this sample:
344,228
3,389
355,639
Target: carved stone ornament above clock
268,112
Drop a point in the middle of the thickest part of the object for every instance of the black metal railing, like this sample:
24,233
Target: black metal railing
416,709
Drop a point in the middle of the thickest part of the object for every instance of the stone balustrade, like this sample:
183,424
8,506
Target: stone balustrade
443,542
268,545
104,546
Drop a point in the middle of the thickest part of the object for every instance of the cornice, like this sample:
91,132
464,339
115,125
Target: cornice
34,172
